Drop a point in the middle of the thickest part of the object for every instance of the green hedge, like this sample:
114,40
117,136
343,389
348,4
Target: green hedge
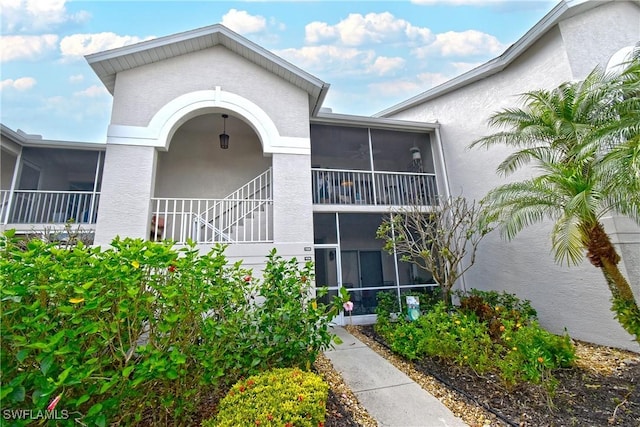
142,330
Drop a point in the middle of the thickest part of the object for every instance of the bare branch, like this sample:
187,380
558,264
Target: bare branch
442,240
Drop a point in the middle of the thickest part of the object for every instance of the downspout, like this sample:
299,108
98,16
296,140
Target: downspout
443,165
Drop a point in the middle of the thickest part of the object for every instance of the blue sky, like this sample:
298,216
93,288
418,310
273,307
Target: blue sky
373,53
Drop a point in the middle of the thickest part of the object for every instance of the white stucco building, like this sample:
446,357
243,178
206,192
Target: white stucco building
311,183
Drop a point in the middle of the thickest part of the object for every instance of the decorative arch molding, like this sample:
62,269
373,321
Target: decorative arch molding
175,113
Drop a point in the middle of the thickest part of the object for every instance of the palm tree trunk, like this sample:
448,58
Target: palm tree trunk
603,255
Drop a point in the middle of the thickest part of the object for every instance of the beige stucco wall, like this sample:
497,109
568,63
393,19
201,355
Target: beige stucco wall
593,36
127,184
293,209
576,298
141,92
196,167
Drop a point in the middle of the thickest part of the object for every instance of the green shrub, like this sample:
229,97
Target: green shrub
140,329
487,335
280,397
387,302
493,308
531,353
287,328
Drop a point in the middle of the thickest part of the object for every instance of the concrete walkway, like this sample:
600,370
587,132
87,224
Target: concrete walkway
390,396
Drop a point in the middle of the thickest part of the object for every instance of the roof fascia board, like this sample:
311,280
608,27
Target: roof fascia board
217,31
27,140
72,145
315,109
501,62
374,122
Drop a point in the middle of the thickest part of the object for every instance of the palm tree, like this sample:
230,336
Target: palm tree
582,138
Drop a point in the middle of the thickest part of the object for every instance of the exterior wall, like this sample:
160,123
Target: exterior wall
151,103
140,92
610,27
127,183
574,298
196,167
293,209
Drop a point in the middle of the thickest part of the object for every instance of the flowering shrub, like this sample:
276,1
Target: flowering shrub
529,353
280,397
141,329
498,335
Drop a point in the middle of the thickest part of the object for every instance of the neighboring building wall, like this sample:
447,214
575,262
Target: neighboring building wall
593,36
142,91
577,297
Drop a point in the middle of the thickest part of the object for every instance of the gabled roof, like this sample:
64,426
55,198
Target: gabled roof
108,63
563,10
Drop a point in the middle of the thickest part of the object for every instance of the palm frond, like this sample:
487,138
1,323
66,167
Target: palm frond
567,240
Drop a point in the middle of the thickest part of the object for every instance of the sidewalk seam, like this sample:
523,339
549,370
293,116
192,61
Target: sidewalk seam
386,386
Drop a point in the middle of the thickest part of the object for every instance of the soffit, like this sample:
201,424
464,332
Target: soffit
109,63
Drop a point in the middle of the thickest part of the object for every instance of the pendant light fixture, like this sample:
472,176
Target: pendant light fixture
224,138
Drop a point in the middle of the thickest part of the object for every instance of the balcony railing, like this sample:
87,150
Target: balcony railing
212,220
349,187
48,207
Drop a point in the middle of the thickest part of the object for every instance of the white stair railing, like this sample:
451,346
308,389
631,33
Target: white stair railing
242,216
258,188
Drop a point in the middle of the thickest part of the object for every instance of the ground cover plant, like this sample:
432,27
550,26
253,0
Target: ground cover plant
488,332
142,331
600,387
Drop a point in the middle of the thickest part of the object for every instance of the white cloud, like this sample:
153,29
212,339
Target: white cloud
76,78
78,45
241,22
26,47
92,92
316,32
384,65
357,29
334,59
23,83
395,88
404,88
36,15
466,43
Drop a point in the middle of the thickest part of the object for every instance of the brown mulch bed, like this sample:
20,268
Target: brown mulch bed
603,389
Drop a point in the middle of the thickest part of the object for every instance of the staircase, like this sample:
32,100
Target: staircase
244,216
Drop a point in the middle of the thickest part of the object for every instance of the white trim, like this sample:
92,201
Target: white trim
292,145
443,165
170,117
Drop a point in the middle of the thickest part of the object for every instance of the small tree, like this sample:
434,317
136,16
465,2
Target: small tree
442,239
